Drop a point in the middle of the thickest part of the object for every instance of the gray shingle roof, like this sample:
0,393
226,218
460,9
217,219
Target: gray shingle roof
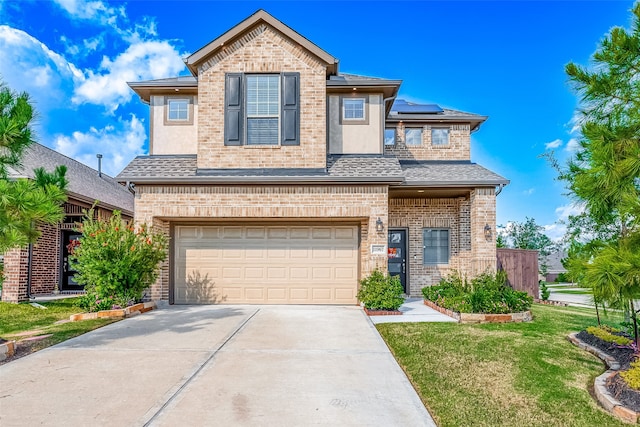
449,173
374,168
84,181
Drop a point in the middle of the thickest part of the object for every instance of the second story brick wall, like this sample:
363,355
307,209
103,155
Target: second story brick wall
459,147
262,50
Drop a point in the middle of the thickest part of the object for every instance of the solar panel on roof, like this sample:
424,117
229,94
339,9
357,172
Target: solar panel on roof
401,106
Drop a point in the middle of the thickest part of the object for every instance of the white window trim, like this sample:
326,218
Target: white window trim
263,116
354,119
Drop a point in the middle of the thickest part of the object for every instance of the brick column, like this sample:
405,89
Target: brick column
483,212
14,288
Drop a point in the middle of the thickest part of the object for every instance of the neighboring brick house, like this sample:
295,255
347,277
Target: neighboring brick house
281,180
42,268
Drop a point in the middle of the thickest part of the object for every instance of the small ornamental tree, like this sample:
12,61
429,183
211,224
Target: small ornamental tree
116,261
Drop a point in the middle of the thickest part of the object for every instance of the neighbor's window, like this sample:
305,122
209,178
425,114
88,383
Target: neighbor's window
389,137
413,136
353,109
178,110
436,246
263,109
439,136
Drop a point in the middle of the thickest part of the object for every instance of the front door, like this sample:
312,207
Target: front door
69,239
397,251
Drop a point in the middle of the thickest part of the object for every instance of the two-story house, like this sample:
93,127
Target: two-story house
281,180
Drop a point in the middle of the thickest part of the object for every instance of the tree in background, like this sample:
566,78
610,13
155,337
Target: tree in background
527,235
24,203
604,175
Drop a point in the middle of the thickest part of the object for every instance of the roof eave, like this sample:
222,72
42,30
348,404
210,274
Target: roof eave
144,89
261,180
99,203
456,184
436,117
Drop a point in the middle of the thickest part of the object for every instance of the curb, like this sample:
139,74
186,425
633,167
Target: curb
606,399
523,316
7,349
130,311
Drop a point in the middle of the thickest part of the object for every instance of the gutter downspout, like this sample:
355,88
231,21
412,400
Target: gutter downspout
383,118
500,187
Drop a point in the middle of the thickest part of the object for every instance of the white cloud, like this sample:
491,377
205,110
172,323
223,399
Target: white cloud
119,143
529,192
92,10
141,61
553,144
558,229
573,145
28,65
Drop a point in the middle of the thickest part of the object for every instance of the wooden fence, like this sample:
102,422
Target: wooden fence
521,266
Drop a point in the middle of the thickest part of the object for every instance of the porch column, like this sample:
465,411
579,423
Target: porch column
483,213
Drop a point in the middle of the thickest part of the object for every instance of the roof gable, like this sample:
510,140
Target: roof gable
260,17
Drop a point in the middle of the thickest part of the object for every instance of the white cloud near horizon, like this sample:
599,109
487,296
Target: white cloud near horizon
118,143
558,229
553,144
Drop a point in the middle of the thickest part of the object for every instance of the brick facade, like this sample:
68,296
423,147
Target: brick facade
16,271
361,204
459,147
45,261
262,50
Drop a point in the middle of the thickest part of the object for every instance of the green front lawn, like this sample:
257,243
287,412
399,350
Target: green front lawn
503,374
15,319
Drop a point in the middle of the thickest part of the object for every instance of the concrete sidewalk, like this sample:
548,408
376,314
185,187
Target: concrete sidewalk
216,365
414,310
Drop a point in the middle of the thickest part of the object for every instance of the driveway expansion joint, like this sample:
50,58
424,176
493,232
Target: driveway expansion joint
199,369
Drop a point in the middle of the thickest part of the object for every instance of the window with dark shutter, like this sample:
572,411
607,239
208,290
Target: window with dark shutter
262,109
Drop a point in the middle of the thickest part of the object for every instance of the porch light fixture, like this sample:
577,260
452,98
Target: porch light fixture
379,225
487,232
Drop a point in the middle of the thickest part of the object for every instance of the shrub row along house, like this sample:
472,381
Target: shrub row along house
42,268
280,179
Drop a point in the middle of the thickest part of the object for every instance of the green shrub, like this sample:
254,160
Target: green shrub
632,375
116,261
544,291
563,278
380,291
487,293
606,334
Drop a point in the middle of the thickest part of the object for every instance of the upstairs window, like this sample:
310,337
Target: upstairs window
263,110
439,136
413,136
389,137
435,246
353,109
178,111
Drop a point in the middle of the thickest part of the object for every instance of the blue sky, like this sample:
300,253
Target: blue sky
504,59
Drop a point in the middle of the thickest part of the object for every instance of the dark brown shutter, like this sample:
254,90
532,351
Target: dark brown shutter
233,109
290,109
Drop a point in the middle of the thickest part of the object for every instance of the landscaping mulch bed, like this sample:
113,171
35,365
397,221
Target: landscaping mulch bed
24,348
623,393
618,388
623,355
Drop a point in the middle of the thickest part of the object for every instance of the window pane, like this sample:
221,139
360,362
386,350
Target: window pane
262,131
436,246
389,137
440,136
413,136
178,109
263,95
353,109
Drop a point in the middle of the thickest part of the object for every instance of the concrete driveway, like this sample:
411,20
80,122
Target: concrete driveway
216,365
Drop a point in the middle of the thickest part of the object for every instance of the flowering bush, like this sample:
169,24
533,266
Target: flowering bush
116,261
486,293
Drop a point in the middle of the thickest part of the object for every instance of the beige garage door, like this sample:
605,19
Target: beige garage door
260,264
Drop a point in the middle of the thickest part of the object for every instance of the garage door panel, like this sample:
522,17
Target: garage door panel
266,264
